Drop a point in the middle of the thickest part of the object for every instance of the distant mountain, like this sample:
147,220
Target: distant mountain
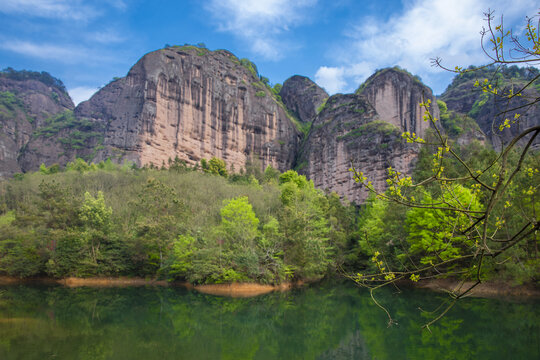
302,97
28,101
364,130
490,111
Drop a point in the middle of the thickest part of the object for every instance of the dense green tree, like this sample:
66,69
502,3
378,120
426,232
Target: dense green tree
458,224
439,235
160,219
304,226
180,260
239,224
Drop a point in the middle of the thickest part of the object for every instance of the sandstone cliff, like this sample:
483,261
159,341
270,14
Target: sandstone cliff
28,101
303,97
191,103
396,96
349,131
489,110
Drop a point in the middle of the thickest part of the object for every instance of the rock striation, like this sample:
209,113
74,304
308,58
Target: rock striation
490,111
192,103
348,131
303,97
28,100
395,94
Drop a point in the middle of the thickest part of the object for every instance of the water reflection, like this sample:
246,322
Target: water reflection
319,322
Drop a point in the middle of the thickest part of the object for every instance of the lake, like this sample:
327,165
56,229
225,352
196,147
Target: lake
324,321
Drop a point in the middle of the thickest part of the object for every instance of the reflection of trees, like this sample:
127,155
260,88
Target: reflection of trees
314,323
352,347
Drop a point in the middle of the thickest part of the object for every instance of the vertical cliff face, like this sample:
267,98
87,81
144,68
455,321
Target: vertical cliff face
27,101
303,97
349,131
396,96
490,111
496,110
192,103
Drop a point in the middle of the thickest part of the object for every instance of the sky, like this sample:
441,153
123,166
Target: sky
336,43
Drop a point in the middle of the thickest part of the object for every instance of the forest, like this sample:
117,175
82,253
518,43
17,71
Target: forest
204,225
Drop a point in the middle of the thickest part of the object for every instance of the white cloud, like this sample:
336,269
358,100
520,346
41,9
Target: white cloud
424,30
332,79
105,37
45,51
54,9
81,93
260,22
67,54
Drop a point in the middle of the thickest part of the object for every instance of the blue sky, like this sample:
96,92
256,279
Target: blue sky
337,43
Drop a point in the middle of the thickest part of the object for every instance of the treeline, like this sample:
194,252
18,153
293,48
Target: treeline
178,223
399,238
203,224
43,76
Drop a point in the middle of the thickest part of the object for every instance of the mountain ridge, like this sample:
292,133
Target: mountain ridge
189,103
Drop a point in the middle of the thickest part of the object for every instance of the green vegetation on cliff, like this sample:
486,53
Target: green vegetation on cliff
43,76
10,104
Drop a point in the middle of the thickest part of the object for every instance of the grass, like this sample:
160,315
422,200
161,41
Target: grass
322,106
373,127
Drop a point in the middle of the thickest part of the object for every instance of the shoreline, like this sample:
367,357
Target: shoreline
229,290
484,290
488,289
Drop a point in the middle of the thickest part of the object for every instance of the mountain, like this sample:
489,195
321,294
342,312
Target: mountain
192,103
364,130
28,102
189,103
490,110
395,94
302,97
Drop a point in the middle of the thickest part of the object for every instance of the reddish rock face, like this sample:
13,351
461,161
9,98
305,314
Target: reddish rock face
490,111
364,130
348,132
191,103
396,95
25,104
303,97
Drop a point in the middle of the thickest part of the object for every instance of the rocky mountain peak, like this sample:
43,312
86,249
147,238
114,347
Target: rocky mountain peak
490,111
348,131
303,97
192,103
41,94
396,95
28,100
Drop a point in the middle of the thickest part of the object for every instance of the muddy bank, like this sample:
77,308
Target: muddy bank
88,282
243,289
110,282
232,290
487,289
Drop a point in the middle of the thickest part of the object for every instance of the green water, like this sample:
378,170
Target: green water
319,322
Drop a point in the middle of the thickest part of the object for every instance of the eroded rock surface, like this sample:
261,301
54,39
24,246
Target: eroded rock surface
396,95
490,111
191,103
348,131
303,97
26,104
